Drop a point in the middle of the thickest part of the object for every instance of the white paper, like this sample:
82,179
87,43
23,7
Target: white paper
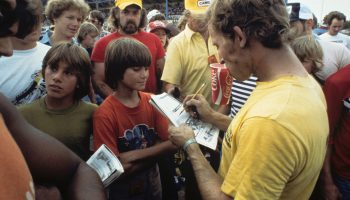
206,134
106,164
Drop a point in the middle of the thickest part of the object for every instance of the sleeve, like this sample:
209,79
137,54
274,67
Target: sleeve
104,131
173,67
262,163
98,52
344,56
334,99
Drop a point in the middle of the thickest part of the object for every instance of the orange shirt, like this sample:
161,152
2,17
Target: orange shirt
15,179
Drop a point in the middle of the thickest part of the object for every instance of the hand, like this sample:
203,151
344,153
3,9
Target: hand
203,109
179,135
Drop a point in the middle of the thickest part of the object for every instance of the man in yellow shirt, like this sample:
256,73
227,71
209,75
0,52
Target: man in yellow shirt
186,65
275,146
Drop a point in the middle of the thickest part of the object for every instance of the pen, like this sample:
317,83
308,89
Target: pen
195,94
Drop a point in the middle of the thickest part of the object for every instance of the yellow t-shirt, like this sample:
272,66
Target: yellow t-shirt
275,146
186,64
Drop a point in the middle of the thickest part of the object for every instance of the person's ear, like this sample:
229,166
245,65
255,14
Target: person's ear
240,36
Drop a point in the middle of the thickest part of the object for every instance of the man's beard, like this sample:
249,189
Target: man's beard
130,27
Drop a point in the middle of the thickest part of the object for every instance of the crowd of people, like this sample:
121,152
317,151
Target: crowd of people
65,91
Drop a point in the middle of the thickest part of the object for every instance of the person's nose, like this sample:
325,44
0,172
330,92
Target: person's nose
57,76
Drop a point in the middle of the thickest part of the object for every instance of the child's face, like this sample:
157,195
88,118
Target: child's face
161,34
309,65
135,78
61,82
68,23
89,40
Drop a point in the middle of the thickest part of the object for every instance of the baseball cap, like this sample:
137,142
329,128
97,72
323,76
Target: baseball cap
197,6
122,4
153,13
156,25
298,11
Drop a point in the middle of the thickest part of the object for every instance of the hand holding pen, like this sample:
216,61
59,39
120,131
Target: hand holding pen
193,108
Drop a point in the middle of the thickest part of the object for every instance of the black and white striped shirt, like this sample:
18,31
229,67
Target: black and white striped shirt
240,92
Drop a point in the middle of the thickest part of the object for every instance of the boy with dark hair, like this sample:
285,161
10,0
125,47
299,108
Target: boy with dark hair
97,18
21,81
128,124
129,19
67,72
28,154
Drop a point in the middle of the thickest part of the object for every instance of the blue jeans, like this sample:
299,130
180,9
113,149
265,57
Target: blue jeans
343,186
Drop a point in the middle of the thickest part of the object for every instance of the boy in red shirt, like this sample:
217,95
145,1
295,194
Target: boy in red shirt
128,124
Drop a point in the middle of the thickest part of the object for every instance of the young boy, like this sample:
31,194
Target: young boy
87,35
61,113
309,52
128,124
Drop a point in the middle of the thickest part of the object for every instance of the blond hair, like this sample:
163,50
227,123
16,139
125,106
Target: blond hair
307,48
85,29
55,8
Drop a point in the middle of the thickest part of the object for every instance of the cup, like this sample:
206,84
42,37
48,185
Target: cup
221,83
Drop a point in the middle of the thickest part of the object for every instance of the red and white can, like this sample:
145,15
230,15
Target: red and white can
221,83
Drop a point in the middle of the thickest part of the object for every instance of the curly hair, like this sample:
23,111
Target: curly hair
55,8
264,20
114,18
334,15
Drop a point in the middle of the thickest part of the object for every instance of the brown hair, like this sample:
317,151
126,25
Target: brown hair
26,13
121,54
55,8
334,15
85,29
77,59
98,15
307,48
114,18
264,20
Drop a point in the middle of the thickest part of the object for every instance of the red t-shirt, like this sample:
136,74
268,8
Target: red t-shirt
125,129
337,92
15,179
149,39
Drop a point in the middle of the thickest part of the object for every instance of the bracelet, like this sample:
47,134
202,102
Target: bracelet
188,142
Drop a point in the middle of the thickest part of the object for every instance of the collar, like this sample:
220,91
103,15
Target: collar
189,33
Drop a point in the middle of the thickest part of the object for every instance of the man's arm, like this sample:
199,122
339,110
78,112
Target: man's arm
99,79
206,113
49,161
209,183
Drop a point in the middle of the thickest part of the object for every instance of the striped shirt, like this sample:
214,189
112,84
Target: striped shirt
240,92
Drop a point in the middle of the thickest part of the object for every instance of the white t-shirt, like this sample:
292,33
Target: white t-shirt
335,57
21,79
339,38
